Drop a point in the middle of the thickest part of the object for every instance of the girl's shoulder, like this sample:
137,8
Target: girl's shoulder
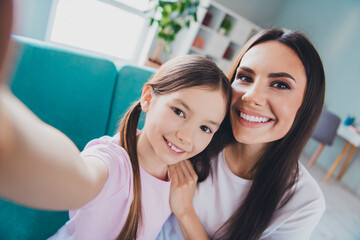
108,149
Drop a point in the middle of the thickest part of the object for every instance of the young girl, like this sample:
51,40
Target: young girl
120,184
258,189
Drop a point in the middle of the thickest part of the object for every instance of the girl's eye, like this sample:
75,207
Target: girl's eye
205,129
178,112
281,85
243,78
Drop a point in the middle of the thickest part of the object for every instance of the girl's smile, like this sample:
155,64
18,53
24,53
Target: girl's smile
173,148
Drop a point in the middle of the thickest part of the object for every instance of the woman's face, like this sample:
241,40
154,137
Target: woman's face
268,90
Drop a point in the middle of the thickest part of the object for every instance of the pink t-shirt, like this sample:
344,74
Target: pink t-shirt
105,215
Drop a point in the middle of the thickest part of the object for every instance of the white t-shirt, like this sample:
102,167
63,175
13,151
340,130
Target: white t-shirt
105,215
217,198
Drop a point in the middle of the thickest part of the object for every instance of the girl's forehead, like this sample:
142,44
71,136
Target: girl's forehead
205,101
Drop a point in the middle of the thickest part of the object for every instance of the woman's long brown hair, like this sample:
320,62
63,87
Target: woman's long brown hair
177,74
276,172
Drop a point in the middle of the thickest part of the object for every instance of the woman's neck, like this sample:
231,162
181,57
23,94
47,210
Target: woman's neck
148,159
241,158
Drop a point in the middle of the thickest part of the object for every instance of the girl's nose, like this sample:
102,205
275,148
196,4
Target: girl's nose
185,134
255,95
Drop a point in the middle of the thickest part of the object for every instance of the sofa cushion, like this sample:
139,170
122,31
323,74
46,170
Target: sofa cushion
18,222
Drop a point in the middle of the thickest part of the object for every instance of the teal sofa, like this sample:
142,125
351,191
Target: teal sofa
81,95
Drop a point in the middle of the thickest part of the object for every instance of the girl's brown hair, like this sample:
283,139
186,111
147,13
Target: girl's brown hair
6,19
276,172
177,74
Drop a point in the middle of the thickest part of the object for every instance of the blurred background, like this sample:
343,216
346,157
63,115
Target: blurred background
120,30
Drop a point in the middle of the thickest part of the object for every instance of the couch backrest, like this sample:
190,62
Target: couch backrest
128,89
72,92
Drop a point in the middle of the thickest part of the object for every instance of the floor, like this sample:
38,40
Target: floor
341,220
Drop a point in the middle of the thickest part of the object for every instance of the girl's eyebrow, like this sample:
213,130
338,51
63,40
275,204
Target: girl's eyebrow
183,104
189,109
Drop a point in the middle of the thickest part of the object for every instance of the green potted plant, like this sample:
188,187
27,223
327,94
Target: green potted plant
171,17
225,26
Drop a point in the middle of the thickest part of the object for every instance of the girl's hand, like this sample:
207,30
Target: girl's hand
183,184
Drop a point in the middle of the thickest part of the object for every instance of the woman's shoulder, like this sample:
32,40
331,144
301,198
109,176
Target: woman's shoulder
298,217
307,198
308,187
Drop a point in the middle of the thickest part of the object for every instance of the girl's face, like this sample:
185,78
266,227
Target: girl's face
180,125
268,90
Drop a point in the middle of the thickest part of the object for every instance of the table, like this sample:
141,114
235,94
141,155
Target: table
352,140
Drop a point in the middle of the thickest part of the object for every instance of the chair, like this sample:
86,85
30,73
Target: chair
324,133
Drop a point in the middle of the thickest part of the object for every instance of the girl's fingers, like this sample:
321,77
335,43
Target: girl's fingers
185,169
180,172
191,170
173,174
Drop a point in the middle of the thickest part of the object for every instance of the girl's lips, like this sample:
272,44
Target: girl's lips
173,148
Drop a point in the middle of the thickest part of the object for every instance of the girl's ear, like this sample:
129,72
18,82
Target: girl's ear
146,96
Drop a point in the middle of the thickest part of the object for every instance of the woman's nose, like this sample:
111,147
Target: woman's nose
255,95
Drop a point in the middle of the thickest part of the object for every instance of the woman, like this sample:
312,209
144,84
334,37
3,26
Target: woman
258,189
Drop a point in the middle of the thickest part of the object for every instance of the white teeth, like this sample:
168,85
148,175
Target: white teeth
253,118
174,148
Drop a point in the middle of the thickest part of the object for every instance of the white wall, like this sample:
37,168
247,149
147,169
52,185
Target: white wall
260,12
31,18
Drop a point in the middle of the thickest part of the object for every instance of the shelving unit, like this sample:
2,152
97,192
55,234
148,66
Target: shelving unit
222,47
205,38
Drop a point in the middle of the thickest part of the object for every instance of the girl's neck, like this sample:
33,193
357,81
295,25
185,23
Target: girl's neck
241,158
148,159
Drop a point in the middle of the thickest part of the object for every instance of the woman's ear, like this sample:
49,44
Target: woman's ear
146,96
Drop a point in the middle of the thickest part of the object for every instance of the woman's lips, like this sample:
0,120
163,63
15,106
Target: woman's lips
251,119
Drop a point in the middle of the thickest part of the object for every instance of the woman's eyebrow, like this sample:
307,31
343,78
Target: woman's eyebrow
249,70
281,74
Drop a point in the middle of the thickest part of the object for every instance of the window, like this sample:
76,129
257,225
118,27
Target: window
113,27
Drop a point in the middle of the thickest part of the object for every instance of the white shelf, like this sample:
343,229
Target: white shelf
220,48
223,48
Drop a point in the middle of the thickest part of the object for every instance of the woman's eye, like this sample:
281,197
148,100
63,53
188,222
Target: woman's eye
178,112
281,85
243,78
205,129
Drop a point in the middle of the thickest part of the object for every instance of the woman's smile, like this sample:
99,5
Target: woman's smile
250,119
